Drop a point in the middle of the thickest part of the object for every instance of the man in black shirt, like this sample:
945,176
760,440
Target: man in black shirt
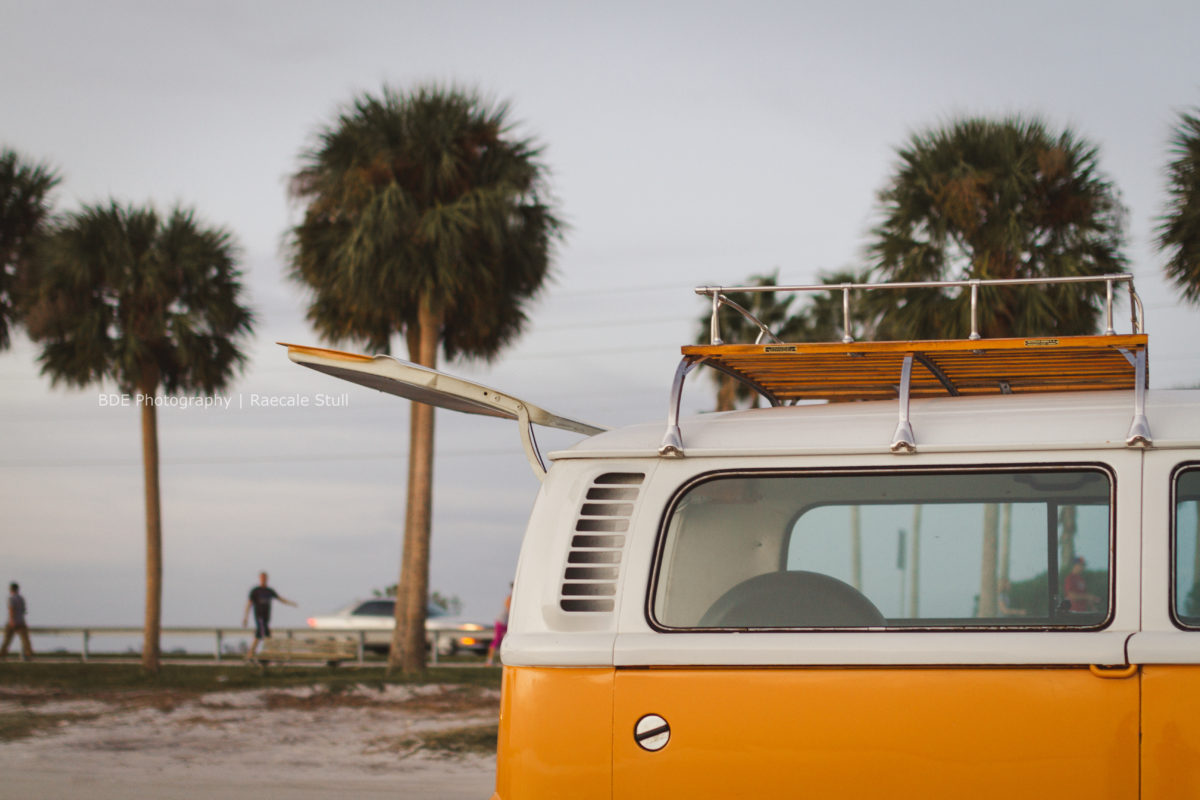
260,600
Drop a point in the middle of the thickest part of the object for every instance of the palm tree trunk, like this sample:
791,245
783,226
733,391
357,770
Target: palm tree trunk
1005,543
726,393
988,607
856,547
412,337
153,624
1066,543
412,596
914,588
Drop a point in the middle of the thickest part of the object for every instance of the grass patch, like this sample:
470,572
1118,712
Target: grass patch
472,739
442,700
23,724
466,740
94,677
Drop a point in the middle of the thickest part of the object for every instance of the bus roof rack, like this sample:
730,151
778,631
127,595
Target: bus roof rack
788,373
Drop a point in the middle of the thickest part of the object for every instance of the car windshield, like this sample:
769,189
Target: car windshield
375,608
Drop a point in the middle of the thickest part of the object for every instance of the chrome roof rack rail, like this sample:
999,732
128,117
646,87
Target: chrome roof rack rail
1139,431
903,440
1069,363
719,298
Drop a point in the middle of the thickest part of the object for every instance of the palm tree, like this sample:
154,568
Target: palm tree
424,216
1179,232
770,308
996,199
820,318
151,304
24,205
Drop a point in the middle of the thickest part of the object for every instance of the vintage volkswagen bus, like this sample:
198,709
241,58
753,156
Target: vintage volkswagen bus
980,578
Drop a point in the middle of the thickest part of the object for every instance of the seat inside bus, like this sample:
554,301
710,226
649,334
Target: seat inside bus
792,599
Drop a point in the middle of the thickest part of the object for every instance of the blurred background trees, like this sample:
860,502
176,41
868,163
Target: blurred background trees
25,190
1179,232
975,199
152,304
987,199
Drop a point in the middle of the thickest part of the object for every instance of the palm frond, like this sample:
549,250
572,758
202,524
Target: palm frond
1179,228
123,293
981,198
24,208
422,197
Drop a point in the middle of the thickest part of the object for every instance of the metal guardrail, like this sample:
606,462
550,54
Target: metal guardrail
219,635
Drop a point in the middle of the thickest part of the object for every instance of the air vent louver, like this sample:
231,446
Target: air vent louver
593,562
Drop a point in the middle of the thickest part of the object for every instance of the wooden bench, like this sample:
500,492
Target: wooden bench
329,650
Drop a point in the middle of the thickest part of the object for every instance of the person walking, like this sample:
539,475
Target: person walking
16,623
260,601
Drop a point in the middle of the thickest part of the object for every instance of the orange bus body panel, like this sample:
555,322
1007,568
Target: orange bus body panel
870,732
1170,732
560,743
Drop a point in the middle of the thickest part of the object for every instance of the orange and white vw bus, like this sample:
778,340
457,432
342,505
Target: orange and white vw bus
978,579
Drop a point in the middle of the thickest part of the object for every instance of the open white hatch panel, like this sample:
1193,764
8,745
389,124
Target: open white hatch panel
424,385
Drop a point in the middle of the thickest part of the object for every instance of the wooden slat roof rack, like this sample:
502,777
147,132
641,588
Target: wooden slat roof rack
787,373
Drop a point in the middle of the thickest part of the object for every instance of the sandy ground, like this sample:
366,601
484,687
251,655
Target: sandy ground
302,743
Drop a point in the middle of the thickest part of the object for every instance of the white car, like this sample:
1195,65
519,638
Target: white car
377,619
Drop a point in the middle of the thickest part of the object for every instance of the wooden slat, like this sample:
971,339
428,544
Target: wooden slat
871,370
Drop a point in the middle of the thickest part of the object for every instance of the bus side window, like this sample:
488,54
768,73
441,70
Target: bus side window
955,548
1019,563
1185,547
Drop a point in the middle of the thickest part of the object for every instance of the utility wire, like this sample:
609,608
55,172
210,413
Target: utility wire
274,459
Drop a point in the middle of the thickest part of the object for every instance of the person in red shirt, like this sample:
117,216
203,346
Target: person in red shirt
1075,588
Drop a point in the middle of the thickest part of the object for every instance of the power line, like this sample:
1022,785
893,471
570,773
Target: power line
623,290
634,322
275,459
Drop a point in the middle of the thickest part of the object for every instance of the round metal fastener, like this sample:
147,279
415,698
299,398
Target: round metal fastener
652,733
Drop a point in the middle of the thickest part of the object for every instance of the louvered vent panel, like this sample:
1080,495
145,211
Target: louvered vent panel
598,543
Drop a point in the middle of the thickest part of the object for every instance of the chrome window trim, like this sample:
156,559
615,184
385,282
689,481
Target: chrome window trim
1176,618
1097,466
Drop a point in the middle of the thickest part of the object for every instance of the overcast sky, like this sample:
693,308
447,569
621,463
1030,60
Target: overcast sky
689,143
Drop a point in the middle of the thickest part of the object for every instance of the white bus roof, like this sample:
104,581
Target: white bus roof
1085,420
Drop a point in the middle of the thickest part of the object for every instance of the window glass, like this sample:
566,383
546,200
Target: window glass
377,608
893,550
1186,547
